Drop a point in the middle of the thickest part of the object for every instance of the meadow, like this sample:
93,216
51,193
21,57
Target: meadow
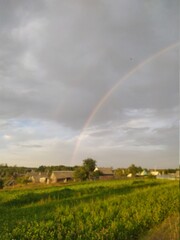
116,209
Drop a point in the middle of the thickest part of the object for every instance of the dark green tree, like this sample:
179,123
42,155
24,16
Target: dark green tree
1,183
134,169
80,174
120,172
89,165
41,168
95,175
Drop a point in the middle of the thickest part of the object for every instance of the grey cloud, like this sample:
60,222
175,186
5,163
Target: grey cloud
59,58
86,47
30,146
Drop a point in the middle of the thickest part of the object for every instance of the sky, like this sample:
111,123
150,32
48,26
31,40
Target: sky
89,79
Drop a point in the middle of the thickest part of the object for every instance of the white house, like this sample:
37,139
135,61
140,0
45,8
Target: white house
155,173
144,173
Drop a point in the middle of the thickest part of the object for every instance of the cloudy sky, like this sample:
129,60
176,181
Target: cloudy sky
89,78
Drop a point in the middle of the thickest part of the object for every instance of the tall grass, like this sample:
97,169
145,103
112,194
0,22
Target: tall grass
99,210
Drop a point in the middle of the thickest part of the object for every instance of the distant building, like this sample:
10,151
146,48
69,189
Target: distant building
129,175
105,173
61,176
170,176
155,173
43,179
144,173
177,174
38,177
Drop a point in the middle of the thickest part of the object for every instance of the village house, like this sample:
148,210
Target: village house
169,176
61,176
38,177
129,175
144,173
105,173
140,174
177,174
155,173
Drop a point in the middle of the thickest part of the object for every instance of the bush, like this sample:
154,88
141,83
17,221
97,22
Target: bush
1,183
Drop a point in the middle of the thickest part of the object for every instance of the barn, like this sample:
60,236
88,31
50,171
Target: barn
61,176
105,173
37,177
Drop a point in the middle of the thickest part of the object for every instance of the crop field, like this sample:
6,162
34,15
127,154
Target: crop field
117,209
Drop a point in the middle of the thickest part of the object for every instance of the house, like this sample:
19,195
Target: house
11,182
38,177
155,173
170,176
144,173
43,179
61,176
177,174
129,175
105,173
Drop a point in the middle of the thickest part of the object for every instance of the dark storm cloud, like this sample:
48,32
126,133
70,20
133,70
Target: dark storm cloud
85,47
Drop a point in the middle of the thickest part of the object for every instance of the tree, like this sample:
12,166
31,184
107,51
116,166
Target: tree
41,168
89,164
1,183
86,171
133,169
119,172
95,175
80,174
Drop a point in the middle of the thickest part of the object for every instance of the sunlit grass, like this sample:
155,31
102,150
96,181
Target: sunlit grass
119,209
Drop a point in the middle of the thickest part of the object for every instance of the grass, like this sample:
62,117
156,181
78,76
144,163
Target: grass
118,209
167,230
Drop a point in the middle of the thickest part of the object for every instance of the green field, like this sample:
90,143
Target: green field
117,209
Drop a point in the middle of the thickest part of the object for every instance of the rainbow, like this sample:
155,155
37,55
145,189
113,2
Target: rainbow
114,88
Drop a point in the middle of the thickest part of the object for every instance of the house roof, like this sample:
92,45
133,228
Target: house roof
106,171
155,173
37,174
144,172
62,174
